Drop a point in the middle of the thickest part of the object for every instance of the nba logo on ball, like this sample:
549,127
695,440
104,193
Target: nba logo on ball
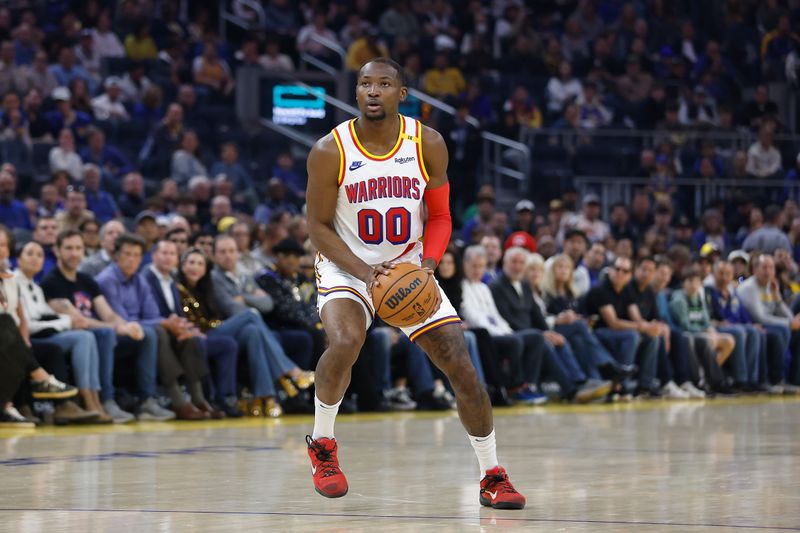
405,297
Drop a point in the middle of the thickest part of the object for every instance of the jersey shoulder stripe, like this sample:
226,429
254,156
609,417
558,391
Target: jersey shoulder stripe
420,160
341,155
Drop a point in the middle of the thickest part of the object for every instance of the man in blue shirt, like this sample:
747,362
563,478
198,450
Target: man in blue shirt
180,353
67,70
13,213
99,202
109,158
730,316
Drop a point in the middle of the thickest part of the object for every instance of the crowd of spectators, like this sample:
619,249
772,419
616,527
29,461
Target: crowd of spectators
160,254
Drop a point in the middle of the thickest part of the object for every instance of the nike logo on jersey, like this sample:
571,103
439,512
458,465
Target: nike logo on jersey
355,165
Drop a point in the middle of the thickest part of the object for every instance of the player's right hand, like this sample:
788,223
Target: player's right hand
382,269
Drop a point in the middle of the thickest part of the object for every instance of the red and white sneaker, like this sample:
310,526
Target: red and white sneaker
498,492
329,479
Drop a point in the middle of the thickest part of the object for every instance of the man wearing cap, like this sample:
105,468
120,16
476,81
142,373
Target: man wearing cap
146,226
575,245
730,316
282,283
589,220
740,260
683,232
700,111
769,237
64,116
619,222
109,106
524,217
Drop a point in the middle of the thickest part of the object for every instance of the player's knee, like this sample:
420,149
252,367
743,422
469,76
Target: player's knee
346,341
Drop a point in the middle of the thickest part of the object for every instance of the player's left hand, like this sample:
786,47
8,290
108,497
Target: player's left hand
427,268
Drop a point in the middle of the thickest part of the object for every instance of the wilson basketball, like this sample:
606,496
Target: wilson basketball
405,297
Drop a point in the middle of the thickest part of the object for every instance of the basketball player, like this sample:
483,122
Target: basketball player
367,181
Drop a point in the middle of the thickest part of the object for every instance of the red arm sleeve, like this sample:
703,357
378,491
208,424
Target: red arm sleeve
440,224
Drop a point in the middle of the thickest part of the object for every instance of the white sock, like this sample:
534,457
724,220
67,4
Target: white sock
486,450
324,418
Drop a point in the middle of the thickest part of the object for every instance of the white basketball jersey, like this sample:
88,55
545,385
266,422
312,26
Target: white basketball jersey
379,208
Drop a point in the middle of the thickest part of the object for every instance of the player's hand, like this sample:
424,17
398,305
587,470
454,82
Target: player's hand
382,269
437,294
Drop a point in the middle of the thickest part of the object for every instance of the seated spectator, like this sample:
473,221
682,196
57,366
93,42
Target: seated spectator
109,158
592,112
44,233
200,193
270,235
712,230
776,45
78,295
13,213
525,110
90,232
99,202
150,110
689,312
38,125
220,209
247,264
180,238
562,89
109,106
729,315
760,109
275,202
700,112
494,253
318,27
239,291
80,98
186,161
135,83
13,124
179,351
620,326
364,49
41,78
75,212
67,70
145,225
515,300
171,68
97,262
65,117
284,169
266,359
13,77
45,325
64,157
769,237
105,40
479,311
443,81
760,295
634,86
213,72
139,45
230,166
220,349
589,221
131,201
763,159
50,201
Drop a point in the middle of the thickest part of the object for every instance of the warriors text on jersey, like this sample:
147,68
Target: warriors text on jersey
379,207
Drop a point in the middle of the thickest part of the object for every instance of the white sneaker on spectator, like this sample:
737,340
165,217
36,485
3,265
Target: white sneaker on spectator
671,391
693,391
116,413
151,411
788,388
399,399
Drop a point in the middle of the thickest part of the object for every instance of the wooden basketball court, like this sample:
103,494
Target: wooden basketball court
722,465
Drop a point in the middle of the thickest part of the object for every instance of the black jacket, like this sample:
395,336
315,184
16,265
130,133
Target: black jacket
290,310
521,312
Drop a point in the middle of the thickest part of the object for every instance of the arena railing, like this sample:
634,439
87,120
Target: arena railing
701,193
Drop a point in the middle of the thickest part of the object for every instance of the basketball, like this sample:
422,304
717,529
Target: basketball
405,297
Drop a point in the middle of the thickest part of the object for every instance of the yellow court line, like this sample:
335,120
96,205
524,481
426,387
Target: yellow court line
308,420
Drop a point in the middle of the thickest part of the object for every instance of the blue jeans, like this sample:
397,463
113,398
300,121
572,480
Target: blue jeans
299,344
745,352
559,362
222,351
146,353
778,338
265,356
474,355
83,353
589,351
629,346
106,340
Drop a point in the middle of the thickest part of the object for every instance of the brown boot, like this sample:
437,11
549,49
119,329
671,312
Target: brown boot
69,412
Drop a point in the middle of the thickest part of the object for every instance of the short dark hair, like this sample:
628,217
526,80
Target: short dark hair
175,231
692,272
88,221
771,213
401,74
66,234
202,233
131,240
645,259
